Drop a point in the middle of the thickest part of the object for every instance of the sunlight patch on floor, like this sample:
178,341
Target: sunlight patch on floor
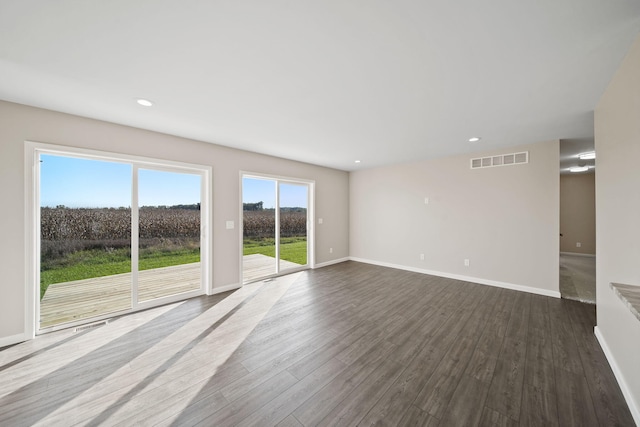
196,350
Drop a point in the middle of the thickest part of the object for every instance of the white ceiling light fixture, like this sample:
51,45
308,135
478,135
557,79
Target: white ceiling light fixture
474,139
357,161
579,169
144,102
588,156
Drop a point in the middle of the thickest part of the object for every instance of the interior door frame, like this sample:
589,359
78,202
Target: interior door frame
32,230
310,222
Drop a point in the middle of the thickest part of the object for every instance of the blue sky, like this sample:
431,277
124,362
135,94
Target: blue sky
264,190
75,182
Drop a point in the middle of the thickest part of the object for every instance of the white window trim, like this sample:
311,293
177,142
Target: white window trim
32,220
311,196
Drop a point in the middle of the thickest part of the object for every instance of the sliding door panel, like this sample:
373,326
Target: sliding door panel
169,231
85,238
259,228
293,207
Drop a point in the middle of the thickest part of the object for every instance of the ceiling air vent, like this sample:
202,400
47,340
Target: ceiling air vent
501,160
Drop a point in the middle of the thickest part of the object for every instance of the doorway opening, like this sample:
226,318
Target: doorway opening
115,234
277,233
577,220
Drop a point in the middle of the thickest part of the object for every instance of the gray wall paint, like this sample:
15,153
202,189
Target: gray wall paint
578,213
19,123
505,220
617,131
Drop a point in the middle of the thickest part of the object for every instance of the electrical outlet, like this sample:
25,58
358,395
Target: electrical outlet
466,263
421,257
330,250
578,245
426,200
319,220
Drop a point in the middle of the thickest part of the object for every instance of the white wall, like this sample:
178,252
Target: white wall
505,220
19,123
617,131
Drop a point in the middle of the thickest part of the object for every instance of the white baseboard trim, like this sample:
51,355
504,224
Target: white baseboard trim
478,280
13,339
220,289
332,262
634,407
578,254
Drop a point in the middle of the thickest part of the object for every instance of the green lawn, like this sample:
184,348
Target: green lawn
293,249
97,263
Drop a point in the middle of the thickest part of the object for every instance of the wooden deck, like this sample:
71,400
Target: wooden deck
82,299
257,266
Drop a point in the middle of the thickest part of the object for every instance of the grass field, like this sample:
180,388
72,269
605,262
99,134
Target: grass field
293,249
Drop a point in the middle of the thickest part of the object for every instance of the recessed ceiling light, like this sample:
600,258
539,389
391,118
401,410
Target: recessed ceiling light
588,156
357,161
474,139
144,102
579,169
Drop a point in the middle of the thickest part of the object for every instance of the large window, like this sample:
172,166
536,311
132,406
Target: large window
114,234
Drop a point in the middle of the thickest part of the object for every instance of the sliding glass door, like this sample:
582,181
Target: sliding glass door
116,236
275,226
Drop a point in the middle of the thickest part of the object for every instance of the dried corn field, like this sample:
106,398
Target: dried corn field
76,229
67,230
115,224
260,224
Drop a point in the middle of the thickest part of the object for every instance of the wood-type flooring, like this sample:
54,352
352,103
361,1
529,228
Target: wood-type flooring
348,344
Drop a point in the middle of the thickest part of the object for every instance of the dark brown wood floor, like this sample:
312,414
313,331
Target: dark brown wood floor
350,344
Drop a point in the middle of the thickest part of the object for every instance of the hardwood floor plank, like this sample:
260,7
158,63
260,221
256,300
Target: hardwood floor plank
575,407
275,366
283,405
357,403
491,418
505,393
466,404
416,417
290,421
565,350
202,412
485,356
539,370
538,408
316,359
321,404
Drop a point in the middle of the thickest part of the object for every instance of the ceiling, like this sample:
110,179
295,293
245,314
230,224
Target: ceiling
325,82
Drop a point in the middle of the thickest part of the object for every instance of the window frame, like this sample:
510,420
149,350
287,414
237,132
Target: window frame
278,179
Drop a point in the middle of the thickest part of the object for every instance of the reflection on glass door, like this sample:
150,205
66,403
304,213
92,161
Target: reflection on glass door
85,238
259,228
293,202
275,226
169,233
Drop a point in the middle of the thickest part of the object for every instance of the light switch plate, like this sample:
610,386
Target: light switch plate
230,225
